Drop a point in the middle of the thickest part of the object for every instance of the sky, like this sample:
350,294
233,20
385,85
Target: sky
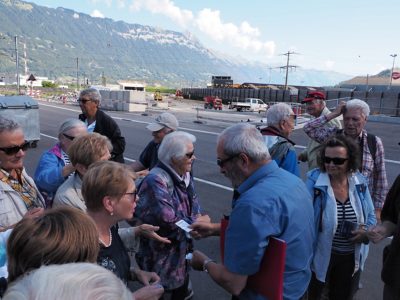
356,37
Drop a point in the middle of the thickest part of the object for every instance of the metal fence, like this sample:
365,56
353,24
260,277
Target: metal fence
385,103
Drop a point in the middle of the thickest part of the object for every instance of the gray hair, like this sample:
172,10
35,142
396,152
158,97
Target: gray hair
70,124
277,113
174,145
8,125
359,104
244,138
84,281
92,93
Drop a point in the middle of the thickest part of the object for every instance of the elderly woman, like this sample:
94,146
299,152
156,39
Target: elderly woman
84,151
110,195
167,196
343,210
54,165
19,195
281,121
98,121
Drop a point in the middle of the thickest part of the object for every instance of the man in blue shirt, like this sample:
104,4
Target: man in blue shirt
268,201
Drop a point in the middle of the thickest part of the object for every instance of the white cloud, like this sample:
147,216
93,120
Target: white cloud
107,2
164,7
243,36
96,14
209,22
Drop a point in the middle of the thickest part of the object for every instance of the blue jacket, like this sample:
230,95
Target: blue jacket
48,174
325,217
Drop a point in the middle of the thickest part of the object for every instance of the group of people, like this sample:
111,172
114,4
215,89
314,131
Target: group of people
69,215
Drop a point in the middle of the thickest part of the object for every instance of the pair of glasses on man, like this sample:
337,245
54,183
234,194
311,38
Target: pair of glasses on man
222,162
15,149
335,160
189,155
83,101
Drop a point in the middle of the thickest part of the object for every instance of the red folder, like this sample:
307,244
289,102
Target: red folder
268,281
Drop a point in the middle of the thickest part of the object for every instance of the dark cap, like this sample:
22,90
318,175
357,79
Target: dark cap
311,96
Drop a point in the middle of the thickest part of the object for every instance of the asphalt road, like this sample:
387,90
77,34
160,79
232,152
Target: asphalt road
213,188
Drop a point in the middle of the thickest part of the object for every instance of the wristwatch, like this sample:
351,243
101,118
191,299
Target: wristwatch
206,262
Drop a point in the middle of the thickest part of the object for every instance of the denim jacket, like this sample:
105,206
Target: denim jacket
319,185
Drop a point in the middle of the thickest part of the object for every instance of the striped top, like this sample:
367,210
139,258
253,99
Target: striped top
341,243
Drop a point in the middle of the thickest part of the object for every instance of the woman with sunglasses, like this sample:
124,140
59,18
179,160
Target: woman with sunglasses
110,196
343,211
54,165
19,195
167,196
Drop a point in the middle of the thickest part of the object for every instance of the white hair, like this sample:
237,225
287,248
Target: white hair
84,281
244,138
70,124
175,145
358,104
277,113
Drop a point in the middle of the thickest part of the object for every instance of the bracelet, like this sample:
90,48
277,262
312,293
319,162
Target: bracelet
206,262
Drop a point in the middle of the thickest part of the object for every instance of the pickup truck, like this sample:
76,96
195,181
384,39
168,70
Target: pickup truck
249,104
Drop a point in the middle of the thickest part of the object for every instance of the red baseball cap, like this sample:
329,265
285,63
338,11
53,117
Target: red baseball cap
313,95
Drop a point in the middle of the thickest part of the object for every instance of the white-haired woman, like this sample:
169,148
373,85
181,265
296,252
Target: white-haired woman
167,196
54,165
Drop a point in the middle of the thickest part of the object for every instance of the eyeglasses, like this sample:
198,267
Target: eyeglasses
221,162
83,101
15,149
71,138
189,155
134,195
335,160
294,116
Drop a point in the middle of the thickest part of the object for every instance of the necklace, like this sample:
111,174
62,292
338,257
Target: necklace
105,244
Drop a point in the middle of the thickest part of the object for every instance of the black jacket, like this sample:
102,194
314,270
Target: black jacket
106,125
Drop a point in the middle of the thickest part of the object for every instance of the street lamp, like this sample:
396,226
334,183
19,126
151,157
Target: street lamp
391,74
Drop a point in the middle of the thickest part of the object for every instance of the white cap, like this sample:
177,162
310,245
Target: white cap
164,120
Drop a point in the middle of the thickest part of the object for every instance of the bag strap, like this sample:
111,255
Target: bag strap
371,141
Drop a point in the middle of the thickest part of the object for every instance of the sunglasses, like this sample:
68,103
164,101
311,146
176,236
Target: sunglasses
80,100
15,149
189,155
222,162
335,160
71,138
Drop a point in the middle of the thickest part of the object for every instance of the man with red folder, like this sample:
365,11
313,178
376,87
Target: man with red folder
268,202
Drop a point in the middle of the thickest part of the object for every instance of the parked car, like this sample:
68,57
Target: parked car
249,104
212,102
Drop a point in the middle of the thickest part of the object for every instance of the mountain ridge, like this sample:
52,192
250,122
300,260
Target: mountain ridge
59,39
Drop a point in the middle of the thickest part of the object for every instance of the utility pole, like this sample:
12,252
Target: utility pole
77,74
288,66
391,74
17,63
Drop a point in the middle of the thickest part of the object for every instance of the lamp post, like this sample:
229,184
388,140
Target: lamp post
391,73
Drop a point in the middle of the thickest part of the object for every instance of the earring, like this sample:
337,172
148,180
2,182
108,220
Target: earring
111,213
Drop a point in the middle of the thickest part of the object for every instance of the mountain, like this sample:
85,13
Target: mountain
59,42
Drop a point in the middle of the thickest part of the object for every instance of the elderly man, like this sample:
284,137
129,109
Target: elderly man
281,121
98,121
164,124
315,106
268,202
355,113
